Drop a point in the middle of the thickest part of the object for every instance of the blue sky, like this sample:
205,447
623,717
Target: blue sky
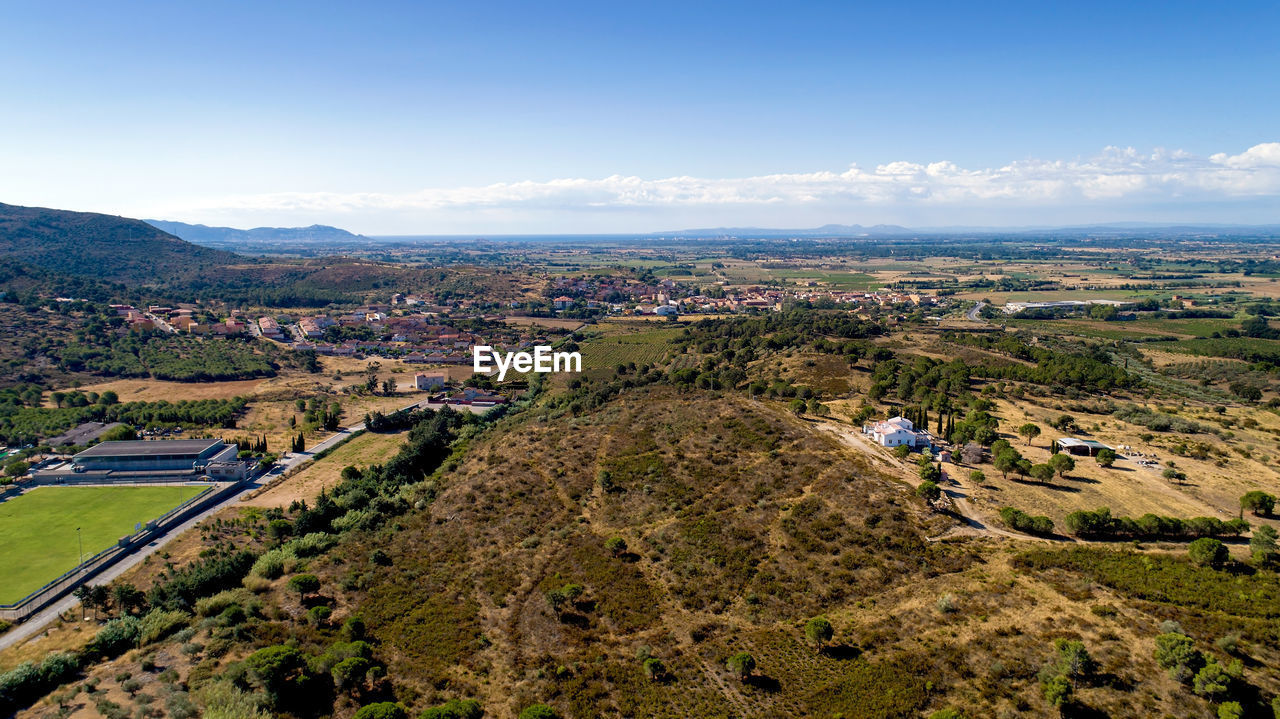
599,117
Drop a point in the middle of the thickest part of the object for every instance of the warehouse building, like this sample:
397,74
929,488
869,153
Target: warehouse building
173,460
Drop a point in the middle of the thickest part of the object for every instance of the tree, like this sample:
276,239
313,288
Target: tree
1177,654
128,598
304,584
1258,502
1072,660
275,667
928,491
741,664
1262,545
1057,692
1207,552
16,468
1062,463
1230,710
1212,681
538,711
1174,475
382,710
977,476
1106,458
1029,431
1007,461
350,672
818,631
1042,472
902,451
798,407
654,669
930,472
617,546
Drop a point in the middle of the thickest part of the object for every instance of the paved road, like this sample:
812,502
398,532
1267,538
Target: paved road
972,316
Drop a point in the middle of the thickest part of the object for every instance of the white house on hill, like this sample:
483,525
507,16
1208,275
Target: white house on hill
894,432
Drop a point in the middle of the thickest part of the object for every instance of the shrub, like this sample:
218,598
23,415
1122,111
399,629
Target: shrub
381,710
741,664
218,603
273,563
538,711
115,637
654,669
454,709
160,623
309,545
304,584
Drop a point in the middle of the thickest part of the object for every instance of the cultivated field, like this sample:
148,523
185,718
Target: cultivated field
38,529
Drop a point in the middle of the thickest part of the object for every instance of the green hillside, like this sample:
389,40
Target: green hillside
104,246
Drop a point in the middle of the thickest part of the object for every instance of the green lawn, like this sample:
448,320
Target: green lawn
38,529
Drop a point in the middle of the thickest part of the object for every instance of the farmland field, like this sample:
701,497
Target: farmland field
645,347
38,529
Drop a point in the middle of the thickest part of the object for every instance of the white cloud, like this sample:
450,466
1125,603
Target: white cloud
1116,176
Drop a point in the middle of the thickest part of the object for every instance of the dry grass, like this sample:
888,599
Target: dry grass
362,451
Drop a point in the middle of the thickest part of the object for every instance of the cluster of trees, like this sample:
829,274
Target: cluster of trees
366,498
299,443
26,425
1020,521
317,414
777,330
1176,653
1099,524
167,357
1158,421
1091,372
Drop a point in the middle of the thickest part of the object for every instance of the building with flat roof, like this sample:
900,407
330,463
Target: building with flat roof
1080,447
148,455
168,460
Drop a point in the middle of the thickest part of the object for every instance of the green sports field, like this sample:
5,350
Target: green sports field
38,529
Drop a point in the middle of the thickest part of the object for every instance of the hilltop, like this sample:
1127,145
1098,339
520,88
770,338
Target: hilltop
102,246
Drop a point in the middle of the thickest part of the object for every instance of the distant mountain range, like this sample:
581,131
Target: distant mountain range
1114,229
230,236
112,248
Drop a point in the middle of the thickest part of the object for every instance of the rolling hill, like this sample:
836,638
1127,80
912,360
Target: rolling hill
104,246
231,237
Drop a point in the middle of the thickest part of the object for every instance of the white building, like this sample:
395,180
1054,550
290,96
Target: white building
894,432
427,381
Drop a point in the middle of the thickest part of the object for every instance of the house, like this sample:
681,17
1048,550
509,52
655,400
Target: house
894,432
1079,447
563,302
429,380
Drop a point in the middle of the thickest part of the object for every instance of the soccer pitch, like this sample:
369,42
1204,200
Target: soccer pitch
38,540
